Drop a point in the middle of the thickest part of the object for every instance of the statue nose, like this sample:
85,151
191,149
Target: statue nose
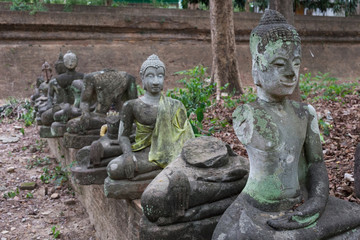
156,81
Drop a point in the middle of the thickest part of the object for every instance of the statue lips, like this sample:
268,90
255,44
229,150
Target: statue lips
288,83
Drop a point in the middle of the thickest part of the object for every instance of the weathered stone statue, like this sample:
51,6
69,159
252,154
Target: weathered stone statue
161,130
107,89
39,99
286,195
93,159
60,96
189,196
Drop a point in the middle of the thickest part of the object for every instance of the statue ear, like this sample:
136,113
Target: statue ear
255,74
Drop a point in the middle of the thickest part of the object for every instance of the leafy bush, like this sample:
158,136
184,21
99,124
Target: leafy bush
19,109
323,86
195,95
26,5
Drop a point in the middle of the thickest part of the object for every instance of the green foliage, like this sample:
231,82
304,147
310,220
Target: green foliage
45,177
11,194
323,86
159,4
230,101
58,175
33,6
325,127
195,95
21,110
55,233
248,96
29,195
140,90
38,162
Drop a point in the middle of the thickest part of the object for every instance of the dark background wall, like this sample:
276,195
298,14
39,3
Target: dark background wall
122,38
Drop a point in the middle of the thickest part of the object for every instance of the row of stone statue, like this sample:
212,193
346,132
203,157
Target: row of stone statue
198,188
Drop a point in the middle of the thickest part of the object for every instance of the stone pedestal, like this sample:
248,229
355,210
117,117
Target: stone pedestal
196,230
78,141
88,176
45,132
113,219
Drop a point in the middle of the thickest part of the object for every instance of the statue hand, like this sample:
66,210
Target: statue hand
129,165
294,220
85,119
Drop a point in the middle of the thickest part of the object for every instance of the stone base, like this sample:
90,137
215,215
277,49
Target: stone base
79,141
88,176
45,132
113,219
125,189
196,230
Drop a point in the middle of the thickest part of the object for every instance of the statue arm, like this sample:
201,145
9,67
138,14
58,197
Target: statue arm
317,183
51,93
125,128
86,96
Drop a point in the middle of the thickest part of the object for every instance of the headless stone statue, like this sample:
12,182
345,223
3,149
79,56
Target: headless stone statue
286,195
161,130
109,88
61,97
189,196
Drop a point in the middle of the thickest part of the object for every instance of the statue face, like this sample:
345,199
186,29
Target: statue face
153,80
70,61
276,71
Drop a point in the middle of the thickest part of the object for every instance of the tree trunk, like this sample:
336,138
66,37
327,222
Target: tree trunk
247,6
224,64
285,7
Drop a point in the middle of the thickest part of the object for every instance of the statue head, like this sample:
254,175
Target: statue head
46,71
152,73
70,60
59,64
276,55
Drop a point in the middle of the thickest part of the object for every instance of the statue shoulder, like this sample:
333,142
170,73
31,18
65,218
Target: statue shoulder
129,104
242,122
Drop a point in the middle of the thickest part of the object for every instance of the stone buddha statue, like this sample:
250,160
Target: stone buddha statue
162,128
107,89
54,93
39,99
287,192
189,196
61,93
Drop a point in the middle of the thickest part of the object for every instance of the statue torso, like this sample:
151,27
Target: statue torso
274,135
144,113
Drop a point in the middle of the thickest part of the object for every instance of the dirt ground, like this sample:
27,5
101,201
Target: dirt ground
48,210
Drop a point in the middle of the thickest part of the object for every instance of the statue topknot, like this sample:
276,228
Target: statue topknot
272,27
151,61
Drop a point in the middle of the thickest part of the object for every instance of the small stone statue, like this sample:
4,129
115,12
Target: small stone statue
189,196
162,128
61,97
108,88
39,99
287,192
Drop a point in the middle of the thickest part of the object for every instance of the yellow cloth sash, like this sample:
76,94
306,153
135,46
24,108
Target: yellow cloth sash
172,130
